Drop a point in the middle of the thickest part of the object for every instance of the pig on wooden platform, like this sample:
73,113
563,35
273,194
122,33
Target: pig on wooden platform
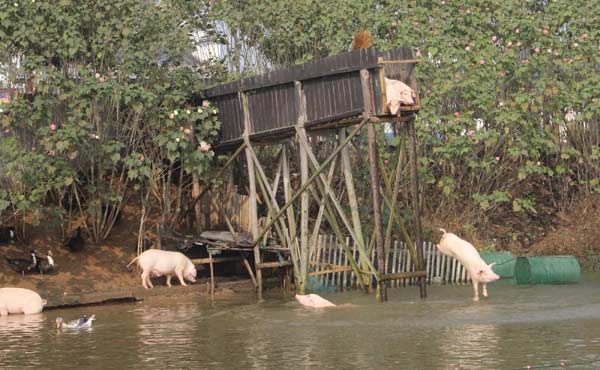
479,271
155,262
19,300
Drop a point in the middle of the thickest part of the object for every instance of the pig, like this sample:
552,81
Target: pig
19,300
155,262
398,93
313,300
479,272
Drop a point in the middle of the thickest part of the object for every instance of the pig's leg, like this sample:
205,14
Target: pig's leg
475,290
179,273
144,278
149,281
485,290
169,280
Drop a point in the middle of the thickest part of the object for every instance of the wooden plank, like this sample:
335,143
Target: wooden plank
333,271
204,261
403,275
277,264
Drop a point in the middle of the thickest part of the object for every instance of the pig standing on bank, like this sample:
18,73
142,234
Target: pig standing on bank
313,300
453,246
155,262
19,300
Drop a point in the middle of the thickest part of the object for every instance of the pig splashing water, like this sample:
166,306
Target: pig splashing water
479,272
155,262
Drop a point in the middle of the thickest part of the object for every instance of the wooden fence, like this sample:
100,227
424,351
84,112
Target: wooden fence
330,267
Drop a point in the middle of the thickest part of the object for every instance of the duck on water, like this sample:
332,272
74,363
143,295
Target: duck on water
82,322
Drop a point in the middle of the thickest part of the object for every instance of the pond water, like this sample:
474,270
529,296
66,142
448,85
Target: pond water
517,326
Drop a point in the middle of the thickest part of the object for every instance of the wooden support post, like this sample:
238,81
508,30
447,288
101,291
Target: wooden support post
252,209
287,192
212,275
249,269
412,153
373,159
352,200
304,248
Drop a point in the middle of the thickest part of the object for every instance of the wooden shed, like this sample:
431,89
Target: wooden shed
331,88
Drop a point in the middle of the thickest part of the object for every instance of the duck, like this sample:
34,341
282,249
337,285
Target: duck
7,234
23,265
75,243
80,323
45,264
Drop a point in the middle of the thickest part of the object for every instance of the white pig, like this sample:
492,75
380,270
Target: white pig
453,246
19,300
313,300
155,262
397,93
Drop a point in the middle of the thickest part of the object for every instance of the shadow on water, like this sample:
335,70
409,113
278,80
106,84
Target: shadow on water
515,327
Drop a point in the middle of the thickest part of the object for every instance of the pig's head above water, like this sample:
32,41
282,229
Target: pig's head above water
485,274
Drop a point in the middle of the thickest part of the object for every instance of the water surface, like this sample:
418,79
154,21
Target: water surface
517,326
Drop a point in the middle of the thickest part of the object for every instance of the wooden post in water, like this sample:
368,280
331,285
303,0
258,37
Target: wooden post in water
373,159
252,209
304,247
414,180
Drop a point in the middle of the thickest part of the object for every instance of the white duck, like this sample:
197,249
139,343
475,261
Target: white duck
83,322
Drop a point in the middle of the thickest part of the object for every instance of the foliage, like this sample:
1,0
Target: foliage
107,100
509,121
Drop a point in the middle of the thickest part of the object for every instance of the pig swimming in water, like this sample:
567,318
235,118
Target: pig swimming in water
453,246
155,262
19,300
313,300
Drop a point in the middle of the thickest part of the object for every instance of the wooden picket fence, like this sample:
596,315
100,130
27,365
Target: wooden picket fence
330,266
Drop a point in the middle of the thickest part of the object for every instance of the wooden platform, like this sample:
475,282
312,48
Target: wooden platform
331,89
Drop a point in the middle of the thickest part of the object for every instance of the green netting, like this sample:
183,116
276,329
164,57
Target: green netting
315,286
547,270
505,262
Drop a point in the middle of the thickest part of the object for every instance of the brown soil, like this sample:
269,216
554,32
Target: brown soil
97,267
577,231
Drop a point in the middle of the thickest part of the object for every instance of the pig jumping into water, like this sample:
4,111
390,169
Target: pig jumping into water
479,272
19,300
313,300
155,262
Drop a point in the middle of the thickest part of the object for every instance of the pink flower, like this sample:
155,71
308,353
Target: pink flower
509,44
418,53
52,126
386,161
494,38
502,74
584,36
180,128
141,157
482,62
187,131
469,132
204,146
537,50
497,159
393,31
443,2
456,114
394,24
545,31
205,103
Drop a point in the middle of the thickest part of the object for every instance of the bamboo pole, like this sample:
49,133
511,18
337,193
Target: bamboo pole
304,200
374,170
412,153
315,174
252,211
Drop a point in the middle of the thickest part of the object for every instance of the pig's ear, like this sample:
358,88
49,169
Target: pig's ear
480,272
492,264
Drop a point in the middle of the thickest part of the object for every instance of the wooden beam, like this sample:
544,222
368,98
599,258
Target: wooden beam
270,265
204,261
332,271
412,153
404,275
